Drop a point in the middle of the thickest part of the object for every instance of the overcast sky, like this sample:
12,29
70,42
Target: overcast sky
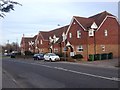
37,15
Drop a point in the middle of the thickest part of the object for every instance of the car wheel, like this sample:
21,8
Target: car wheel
50,60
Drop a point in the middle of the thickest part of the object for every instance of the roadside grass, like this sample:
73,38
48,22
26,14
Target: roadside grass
4,57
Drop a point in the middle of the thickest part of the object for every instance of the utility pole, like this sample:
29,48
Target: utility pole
8,47
16,44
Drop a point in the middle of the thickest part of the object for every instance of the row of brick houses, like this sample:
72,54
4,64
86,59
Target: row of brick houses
93,35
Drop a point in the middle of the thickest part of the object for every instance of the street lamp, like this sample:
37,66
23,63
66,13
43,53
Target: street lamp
64,38
92,33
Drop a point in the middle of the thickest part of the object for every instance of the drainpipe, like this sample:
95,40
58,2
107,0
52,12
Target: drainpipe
94,43
87,46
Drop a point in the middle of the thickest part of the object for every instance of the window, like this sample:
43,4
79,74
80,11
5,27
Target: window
38,41
80,48
41,50
55,49
106,33
41,42
103,47
91,32
78,34
70,35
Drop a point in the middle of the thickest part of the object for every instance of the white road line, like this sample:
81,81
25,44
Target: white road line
68,70
87,74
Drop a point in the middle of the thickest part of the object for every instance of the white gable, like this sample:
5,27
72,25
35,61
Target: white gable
94,26
68,43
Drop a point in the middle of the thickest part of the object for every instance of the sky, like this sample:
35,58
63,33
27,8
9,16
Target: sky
45,15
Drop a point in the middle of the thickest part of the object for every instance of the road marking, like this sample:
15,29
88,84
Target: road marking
87,74
68,70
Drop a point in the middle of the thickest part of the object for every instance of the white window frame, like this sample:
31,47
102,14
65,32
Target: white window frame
103,47
91,32
38,42
79,34
29,49
106,32
80,48
55,49
41,42
70,35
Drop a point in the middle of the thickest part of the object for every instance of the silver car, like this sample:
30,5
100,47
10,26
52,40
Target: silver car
51,57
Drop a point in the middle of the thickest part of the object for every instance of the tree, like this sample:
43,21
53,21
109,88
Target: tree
10,47
6,6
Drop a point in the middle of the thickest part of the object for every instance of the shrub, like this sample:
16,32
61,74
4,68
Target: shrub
110,55
28,53
60,54
77,56
70,60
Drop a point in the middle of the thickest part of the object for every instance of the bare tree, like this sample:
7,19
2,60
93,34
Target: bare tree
6,6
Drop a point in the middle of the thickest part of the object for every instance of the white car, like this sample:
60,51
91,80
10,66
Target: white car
51,57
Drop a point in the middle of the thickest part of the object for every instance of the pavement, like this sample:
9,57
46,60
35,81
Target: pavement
111,63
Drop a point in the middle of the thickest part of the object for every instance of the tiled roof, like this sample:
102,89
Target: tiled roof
28,39
57,32
98,18
35,37
44,34
85,22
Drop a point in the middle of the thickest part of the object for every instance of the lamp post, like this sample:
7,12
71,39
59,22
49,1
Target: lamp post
93,29
54,40
64,38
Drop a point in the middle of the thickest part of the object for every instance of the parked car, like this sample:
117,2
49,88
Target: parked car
51,57
38,56
7,54
12,55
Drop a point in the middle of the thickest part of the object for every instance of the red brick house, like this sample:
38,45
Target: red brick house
41,42
28,44
92,35
50,41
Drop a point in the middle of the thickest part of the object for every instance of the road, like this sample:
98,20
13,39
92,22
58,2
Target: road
39,74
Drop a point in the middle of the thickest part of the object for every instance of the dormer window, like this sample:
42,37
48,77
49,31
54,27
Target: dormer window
78,34
106,33
91,32
70,35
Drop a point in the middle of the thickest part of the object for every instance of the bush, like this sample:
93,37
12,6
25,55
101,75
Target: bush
70,60
77,56
60,55
97,57
28,53
103,56
110,55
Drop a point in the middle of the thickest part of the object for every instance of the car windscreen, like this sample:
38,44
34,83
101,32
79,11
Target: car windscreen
41,54
52,54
